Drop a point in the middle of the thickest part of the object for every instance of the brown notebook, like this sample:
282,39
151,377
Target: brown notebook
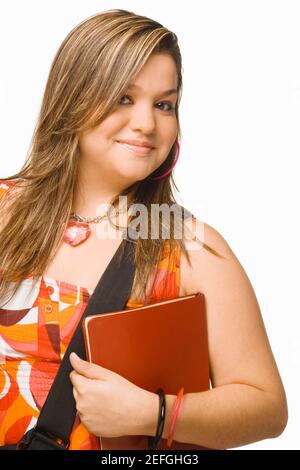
159,345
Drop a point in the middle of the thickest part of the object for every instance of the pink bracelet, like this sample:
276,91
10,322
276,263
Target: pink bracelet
175,412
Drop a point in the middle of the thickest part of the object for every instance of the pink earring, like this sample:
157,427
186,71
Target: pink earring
170,169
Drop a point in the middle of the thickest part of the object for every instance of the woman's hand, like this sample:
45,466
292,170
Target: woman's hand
109,405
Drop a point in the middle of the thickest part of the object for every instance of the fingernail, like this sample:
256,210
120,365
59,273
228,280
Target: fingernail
77,358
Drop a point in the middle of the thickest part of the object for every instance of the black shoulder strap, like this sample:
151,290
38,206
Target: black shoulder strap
57,416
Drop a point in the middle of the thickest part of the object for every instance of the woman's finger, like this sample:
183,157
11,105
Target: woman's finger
75,394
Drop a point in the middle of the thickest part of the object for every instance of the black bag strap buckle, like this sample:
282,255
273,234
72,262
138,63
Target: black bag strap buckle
37,440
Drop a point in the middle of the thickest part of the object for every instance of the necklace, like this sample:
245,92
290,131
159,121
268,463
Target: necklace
78,229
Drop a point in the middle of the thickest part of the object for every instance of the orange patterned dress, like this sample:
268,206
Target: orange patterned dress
36,326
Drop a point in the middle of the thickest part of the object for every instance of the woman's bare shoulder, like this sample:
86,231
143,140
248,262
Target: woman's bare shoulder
213,261
202,253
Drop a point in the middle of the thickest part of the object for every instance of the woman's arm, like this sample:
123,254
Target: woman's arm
224,417
247,402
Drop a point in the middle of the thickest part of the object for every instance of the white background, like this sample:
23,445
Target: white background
240,116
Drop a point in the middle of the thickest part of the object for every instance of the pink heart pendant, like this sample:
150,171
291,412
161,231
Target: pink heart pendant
76,232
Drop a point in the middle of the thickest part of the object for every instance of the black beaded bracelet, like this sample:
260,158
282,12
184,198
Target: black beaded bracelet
154,441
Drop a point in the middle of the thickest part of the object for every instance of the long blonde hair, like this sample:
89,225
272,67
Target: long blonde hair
90,71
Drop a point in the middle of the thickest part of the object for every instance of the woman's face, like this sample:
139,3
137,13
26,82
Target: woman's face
145,114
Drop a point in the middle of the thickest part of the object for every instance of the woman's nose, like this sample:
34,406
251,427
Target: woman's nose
143,119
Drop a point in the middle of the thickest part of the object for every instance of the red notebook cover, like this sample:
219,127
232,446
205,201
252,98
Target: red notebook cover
164,345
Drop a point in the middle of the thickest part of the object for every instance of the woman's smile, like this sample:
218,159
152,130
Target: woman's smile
136,148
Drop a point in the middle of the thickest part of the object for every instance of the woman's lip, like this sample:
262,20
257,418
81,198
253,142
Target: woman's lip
136,148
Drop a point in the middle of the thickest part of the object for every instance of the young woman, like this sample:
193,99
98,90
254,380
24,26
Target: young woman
109,127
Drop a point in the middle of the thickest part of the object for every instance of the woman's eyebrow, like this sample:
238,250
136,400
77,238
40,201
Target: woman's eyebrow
172,91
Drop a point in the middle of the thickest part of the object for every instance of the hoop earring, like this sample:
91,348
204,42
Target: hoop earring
170,169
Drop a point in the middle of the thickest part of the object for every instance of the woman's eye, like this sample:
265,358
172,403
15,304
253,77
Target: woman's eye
124,96
168,106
